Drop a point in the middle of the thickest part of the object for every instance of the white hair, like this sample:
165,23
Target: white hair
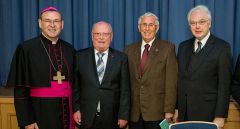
202,8
146,15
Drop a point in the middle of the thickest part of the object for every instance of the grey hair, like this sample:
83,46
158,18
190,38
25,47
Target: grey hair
202,8
109,25
146,15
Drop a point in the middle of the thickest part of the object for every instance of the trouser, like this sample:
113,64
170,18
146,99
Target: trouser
141,124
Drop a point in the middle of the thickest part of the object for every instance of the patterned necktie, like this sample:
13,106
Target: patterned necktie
144,57
199,47
100,66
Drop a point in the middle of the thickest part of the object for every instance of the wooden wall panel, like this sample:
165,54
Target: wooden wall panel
7,113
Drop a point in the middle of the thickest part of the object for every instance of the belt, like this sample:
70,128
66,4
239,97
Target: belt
56,90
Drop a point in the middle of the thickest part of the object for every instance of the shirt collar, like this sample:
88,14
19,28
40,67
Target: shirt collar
105,52
144,43
203,41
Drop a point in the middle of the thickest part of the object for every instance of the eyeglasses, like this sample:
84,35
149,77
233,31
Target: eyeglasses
145,25
101,34
201,22
52,21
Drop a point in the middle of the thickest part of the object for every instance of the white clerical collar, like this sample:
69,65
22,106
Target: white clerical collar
53,42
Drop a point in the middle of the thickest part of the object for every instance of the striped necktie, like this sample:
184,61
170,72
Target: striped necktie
199,47
100,66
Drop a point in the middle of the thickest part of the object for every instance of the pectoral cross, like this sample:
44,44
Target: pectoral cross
59,77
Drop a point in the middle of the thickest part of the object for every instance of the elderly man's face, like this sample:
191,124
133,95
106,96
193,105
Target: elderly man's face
51,24
148,28
199,24
101,36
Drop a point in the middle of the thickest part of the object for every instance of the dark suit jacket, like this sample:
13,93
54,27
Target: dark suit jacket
113,92
236,82
154,92
204,80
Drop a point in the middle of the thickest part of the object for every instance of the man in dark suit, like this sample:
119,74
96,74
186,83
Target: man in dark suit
101,91
236,82
204,72
153,73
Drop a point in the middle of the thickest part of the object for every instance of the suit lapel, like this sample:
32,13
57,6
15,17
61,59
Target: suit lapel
188,52
202,56
156,49
109,64
137,53
92,64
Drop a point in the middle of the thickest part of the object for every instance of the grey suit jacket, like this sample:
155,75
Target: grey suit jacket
113,92
154,92
204,80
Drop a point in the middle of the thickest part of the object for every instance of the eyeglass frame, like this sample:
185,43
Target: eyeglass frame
145,25
106,35
200,22
56,21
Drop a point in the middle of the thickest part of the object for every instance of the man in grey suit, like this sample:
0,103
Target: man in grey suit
204,72
153,85
101,90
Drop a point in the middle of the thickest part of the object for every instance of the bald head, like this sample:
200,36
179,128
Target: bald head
102,23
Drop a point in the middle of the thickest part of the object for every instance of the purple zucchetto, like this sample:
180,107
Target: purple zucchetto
49,8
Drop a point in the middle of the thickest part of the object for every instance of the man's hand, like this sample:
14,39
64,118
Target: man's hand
168,116
77,117
175,116
219,122
32,126
122,123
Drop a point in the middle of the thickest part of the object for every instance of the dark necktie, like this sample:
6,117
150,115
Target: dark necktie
199,47
100,66
144,57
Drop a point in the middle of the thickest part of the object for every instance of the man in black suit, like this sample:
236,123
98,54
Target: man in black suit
204,72
236,82
101,90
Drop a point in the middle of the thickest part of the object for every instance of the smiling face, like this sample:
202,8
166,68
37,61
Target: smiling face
102,36
51,24
148,28
199,24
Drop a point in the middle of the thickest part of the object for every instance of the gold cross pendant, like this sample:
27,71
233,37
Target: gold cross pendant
59,77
